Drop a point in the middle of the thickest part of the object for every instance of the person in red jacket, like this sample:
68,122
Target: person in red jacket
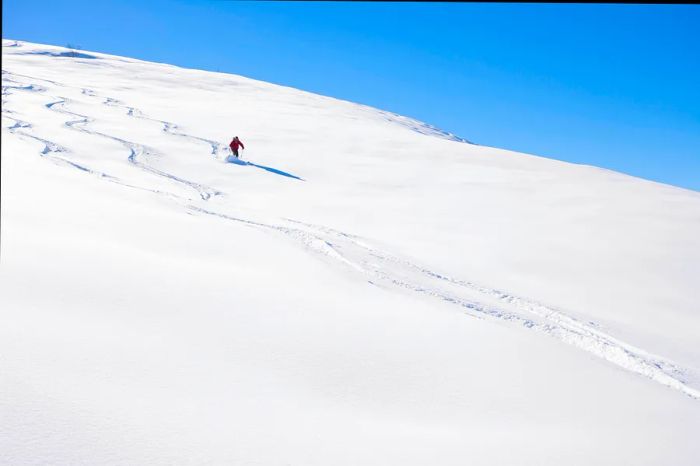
235,144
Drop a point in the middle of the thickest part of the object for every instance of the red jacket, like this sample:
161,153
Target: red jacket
235,144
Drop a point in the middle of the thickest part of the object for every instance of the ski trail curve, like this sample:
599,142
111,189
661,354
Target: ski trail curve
477,301
515,309
168,126
20,127
136,151
51,149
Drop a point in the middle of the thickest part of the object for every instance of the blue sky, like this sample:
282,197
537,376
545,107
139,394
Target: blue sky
615,86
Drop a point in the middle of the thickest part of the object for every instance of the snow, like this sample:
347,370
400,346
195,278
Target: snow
359,288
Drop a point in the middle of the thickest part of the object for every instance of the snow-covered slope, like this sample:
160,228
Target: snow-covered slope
363,289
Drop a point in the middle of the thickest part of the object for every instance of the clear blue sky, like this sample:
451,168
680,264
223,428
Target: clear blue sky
617,86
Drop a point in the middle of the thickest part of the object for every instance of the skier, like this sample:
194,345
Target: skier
235,144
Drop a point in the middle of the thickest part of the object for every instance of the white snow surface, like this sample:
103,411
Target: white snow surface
360,289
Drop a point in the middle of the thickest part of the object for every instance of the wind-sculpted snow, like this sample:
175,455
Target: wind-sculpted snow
329,289
69,54
421,127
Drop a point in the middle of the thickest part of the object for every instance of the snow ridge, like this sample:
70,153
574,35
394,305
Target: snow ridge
421,127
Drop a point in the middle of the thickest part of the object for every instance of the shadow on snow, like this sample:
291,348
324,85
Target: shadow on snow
60,54
234,160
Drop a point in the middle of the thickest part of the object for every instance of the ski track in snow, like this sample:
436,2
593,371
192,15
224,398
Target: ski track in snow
354,254
381,267
168,127
51,150
525,312
136,151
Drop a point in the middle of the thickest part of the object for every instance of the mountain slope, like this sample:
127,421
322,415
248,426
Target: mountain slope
365,289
